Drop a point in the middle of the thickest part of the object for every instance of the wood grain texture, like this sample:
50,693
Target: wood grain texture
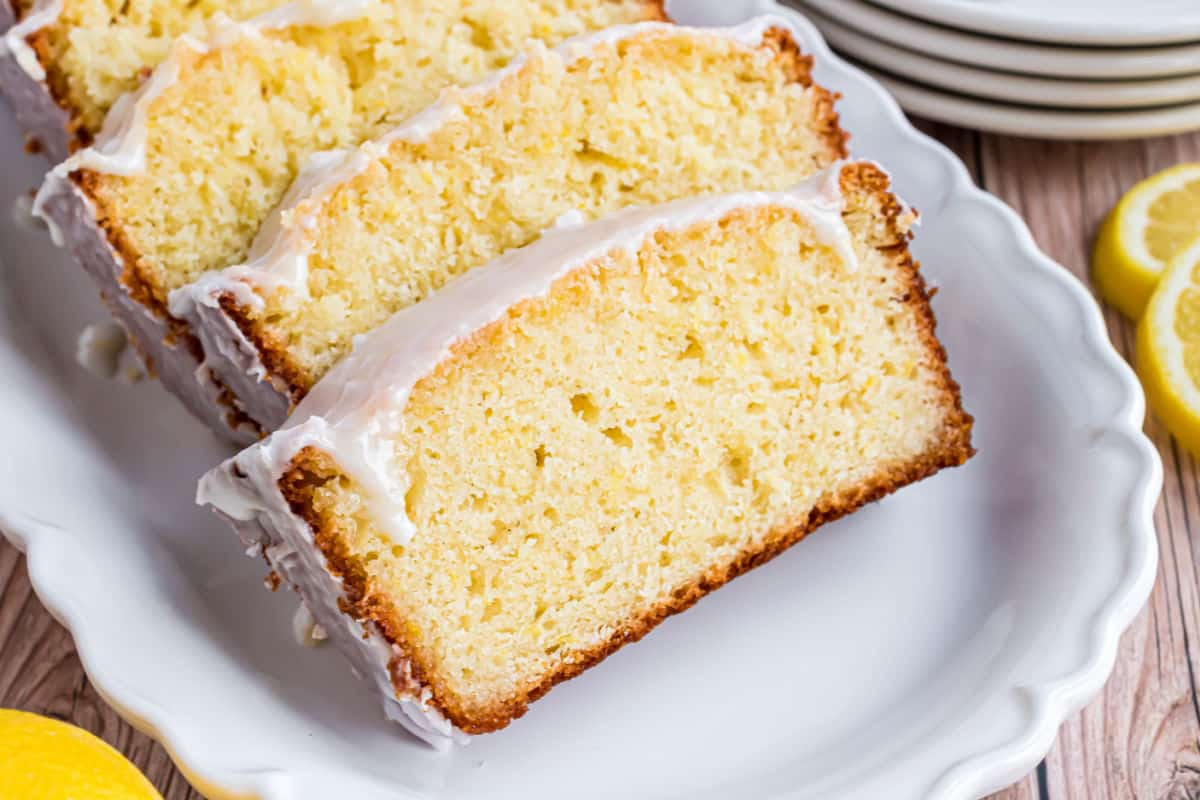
1140,739
40,672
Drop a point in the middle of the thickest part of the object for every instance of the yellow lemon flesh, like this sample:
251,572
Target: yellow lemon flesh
43,759
1153,223
1168,349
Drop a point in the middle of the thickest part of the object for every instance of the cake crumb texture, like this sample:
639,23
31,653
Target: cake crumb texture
644,120
659,423
99,49
224,142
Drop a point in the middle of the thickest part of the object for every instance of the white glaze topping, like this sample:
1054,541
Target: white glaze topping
23,216
306,629
43,13
120,146
356,411
99,348
104,350
279,256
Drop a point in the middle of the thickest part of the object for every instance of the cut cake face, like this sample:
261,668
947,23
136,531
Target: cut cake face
538,463
635,115
188,167
64,63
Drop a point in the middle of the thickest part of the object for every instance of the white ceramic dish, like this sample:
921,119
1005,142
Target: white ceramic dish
1095,22
1005,86
927,647
1044,123
1013,56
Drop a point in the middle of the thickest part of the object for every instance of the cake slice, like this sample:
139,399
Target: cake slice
188,167
64,62
534,466
632,116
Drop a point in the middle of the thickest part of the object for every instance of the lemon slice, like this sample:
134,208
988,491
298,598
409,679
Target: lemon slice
1155,221
1168,349
43,759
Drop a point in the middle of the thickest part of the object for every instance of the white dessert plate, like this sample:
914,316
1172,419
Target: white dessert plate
1096,22
1006,86
1005,54
1019,120
924,648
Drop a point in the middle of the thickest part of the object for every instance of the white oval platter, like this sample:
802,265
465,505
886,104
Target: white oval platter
925,648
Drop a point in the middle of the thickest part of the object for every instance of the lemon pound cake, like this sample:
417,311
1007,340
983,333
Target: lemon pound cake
64,62
186,168
636,115
537,464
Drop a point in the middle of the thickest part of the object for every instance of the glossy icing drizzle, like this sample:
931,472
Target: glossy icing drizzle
15,40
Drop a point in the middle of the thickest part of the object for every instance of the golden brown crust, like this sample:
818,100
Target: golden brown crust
138,285
130,278
311,468
867,179
796,65
144,291
56,83
272,351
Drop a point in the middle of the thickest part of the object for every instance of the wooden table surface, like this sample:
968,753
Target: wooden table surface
1139,739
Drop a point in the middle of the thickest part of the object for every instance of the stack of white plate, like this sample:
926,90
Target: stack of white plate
1070,69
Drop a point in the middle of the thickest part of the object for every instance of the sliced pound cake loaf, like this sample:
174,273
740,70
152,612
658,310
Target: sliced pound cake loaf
537,464
64,62
187,168
631,116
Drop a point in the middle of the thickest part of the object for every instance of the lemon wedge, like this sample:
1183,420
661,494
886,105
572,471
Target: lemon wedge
43,759
1168,348
1155,221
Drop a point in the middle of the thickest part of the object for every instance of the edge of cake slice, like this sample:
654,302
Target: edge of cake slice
271,326
512,479
93,237
47,124
63,62
189,165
